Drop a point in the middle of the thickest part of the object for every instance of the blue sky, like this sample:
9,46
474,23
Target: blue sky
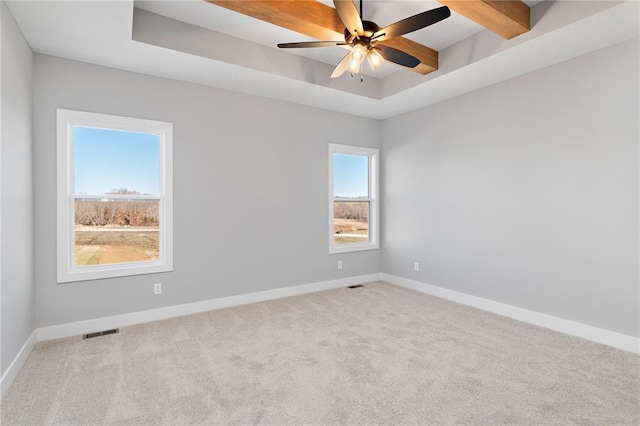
109,159
350,176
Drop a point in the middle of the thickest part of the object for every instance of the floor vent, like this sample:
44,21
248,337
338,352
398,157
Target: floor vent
100,333
356,286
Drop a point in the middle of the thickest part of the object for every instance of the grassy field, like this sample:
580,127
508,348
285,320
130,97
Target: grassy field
96,245
358,232
100,245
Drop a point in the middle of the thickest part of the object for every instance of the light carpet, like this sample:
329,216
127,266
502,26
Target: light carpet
378,354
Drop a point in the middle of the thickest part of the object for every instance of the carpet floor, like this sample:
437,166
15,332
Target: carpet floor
378,354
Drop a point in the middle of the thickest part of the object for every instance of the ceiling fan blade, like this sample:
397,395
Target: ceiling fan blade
412,23
341,67
349,16
398,56
311,44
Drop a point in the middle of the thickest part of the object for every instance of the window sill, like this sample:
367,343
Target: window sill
353,248
112,271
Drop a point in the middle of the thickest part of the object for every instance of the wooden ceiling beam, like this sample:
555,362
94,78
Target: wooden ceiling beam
508,18
317,20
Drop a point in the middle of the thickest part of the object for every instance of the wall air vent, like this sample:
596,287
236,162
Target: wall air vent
100,333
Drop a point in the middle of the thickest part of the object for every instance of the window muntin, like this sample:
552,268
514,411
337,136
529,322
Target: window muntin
353,204
114,196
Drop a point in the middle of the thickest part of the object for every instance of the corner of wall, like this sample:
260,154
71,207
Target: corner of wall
17,274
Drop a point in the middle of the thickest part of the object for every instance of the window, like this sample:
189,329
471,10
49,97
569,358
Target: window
114,196
353,202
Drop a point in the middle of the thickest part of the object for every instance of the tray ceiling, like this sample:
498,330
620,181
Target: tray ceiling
203,43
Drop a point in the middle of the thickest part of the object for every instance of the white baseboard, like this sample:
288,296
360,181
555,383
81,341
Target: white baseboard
105,323
599,335
9,376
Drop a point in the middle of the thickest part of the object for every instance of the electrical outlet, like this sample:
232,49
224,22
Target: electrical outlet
339,264
157,289
416,266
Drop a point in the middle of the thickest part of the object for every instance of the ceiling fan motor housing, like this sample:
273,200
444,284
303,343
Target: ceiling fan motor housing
370,28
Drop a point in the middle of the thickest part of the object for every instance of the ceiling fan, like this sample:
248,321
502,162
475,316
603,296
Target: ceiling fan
362,38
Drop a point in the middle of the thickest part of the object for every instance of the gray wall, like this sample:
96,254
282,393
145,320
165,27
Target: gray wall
17,291
525,192
250,190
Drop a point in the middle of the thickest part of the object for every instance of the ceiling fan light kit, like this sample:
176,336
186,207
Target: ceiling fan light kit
363,38
356,58
375,59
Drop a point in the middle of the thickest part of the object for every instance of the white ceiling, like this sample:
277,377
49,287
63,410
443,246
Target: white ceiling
208,42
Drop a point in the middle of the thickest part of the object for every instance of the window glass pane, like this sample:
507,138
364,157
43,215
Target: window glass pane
350,176
350,222
116,231
111,161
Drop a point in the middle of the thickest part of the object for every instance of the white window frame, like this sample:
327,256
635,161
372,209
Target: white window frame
66,121
373,155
